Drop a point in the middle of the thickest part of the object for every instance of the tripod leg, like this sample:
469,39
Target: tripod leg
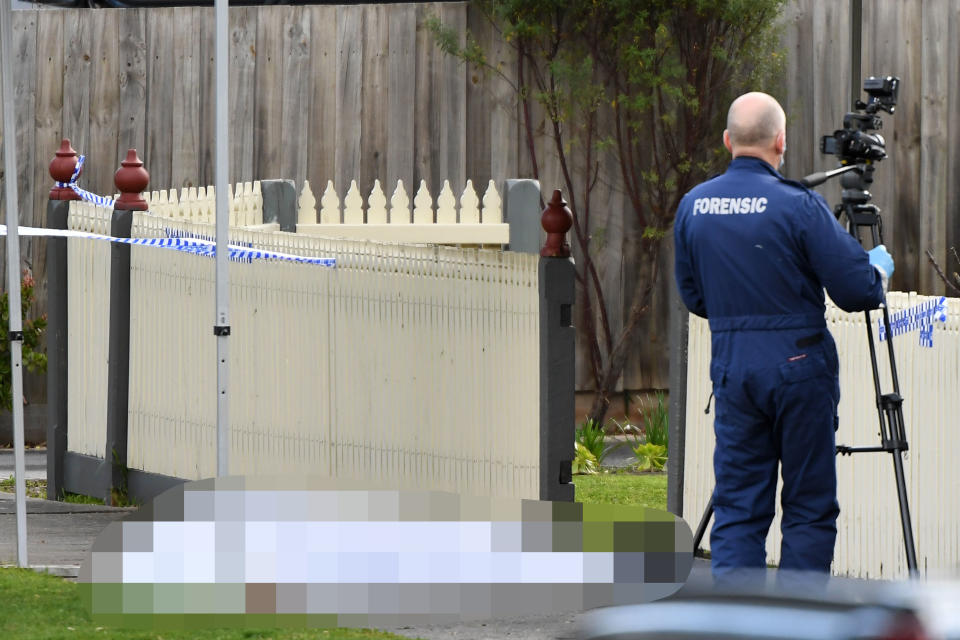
905,513
702,527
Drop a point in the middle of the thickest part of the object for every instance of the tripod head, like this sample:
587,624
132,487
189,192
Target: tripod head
858,151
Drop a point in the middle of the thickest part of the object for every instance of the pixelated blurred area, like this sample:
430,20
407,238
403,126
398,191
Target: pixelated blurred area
319,552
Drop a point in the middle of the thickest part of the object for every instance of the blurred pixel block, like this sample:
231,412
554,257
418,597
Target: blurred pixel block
317,552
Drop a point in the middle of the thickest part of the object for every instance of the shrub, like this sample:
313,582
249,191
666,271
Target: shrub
593,438
34,358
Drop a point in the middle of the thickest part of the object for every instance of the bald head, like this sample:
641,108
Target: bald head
756,125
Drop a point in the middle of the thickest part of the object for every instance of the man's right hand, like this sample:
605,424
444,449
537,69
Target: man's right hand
883,262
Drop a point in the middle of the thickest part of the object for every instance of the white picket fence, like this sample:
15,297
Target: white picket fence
466,219
443,223
870,541
411,364
88,266
198,204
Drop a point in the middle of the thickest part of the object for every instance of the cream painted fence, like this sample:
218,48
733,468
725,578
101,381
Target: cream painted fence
870,540
88,263
467,219
444,223
416,364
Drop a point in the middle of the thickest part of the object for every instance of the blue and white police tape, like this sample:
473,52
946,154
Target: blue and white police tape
103,201
918,318
196,246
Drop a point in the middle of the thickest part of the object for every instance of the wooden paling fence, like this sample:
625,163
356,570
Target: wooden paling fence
869,542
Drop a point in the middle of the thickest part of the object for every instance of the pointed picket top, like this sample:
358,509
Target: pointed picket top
353,205
377,205
233,203
306,205
183,203
170,204
400,205
212,205
423,205
446,205
492,205
256,210
201,208
469,205
330,205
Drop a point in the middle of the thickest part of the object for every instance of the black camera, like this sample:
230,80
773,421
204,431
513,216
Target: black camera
854,143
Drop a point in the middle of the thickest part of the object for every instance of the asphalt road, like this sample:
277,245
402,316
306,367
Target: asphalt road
35,459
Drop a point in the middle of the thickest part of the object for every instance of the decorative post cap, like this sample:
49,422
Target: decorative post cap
62,166
556,220
131,180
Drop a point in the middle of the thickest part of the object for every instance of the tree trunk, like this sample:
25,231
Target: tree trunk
617,358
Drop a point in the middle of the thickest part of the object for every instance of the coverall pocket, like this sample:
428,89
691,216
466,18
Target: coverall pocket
718,373
810,365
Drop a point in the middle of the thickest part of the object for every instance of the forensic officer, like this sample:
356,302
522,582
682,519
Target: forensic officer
754,252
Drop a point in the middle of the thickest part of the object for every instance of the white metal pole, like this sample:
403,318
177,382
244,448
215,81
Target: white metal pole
221,176
13,277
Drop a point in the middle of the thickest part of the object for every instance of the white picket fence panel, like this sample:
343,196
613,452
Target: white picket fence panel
870,540
404,364
198,204
476,221
88,264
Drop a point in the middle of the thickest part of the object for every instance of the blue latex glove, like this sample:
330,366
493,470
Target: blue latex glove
880,258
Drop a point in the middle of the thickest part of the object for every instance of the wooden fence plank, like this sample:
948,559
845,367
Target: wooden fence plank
133,77
102,155
186,98
321,141
77,79
505,138
802,138
401,94
349,95
48,119
952,211
907,240
831,42
158,157
24,67
297,91
479,104
934,139
374,97
426,119
453,92
206,90
243,64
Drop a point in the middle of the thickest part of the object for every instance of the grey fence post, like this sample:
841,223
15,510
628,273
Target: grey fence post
61,170
131,179
522,208
679,333
280,203
557,354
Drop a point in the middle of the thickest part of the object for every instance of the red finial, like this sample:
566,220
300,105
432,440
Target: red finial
131,180
61,169
556,220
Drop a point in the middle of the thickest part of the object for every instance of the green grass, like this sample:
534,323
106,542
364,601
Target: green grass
44,607
641,489
35,488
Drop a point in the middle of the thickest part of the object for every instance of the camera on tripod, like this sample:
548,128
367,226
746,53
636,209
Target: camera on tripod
854,143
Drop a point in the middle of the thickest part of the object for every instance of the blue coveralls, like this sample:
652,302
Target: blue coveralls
753,254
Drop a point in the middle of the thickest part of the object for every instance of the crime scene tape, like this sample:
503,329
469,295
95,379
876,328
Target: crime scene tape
196,246
83,193
918,318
